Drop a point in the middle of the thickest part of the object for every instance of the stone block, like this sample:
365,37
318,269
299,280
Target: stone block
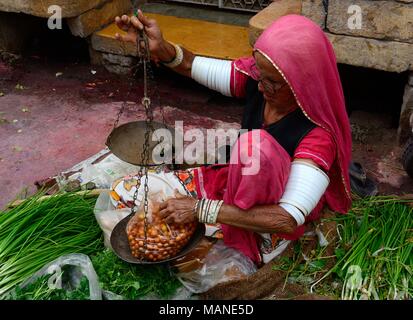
123,61
265,17
96,57
97,18
111,45
314,9
39,8
118,64
389,56
388,20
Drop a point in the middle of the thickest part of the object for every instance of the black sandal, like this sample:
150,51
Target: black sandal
357,171
361,185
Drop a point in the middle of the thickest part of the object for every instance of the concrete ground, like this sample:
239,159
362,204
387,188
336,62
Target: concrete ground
54,114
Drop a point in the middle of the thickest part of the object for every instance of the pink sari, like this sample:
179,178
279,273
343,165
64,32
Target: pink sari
303,55
236,187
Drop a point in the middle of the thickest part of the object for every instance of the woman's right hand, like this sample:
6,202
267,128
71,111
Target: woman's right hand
131,25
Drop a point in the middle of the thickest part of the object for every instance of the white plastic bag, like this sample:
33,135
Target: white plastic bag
221,264
103,173
108,216
77,266
102,169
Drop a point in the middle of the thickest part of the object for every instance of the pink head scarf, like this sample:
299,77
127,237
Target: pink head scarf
303,55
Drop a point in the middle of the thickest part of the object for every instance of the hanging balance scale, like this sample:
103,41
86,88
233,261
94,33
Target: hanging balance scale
132,142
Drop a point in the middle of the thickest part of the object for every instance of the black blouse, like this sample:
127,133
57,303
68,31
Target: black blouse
288,131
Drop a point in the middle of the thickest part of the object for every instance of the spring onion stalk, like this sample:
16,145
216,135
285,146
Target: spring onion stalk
377,236
35,233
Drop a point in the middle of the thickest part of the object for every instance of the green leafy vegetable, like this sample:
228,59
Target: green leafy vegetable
133,281
40,290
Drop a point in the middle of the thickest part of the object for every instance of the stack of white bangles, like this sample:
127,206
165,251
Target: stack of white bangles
305,187
213,73
207,210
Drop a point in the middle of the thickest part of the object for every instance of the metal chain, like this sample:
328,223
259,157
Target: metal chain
149,74
121,110
144,59
155,94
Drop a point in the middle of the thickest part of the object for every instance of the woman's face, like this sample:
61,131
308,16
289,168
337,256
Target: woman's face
271,83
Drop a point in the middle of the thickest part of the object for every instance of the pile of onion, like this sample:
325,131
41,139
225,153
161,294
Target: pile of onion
163,240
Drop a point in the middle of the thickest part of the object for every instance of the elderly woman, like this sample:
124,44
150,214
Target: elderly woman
295,107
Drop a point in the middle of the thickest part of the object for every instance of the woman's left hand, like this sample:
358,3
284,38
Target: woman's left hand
178,210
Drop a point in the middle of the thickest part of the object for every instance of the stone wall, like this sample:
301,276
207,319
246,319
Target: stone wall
39,8
94,19
315,10
82,16
384,20
382,39
366,33
274,11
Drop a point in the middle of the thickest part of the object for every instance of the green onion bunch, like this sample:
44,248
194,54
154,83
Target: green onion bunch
39,231
375,252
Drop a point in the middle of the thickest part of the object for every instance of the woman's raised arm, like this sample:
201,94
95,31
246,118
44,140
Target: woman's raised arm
212,73
160,49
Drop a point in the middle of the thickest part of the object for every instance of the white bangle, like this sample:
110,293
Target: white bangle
208,210
294,212
305,186
212,212
179,57
212,73
220,203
